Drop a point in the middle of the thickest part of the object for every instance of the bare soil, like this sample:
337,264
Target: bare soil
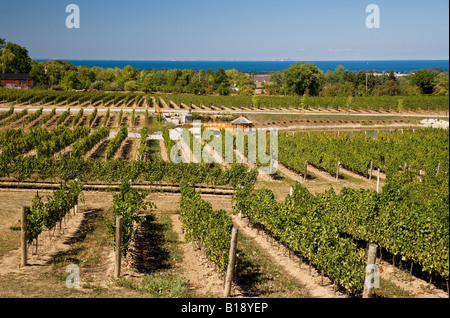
311,280
162,146
50,245
202,275
416,286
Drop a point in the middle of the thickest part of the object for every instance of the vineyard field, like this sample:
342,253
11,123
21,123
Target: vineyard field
220,103
61,147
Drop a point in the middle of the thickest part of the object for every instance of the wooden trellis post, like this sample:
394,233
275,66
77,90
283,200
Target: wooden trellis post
118,260
23,233
371,272
231,263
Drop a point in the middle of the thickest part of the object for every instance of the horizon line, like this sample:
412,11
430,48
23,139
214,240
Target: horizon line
206,60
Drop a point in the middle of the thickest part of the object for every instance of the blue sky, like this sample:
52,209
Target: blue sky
229,29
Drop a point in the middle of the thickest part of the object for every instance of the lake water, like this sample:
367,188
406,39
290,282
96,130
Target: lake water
262,66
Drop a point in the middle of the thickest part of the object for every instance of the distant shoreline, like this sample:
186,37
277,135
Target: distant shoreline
405,66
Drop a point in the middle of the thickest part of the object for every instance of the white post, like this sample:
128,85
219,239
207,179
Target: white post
378,181
371,272
291,192
75,208
337,172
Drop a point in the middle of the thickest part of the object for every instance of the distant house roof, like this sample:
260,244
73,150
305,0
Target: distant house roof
20,76
260,79
241,121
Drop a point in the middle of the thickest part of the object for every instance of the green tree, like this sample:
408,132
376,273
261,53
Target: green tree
85,76
302,76
277,79
147,84
56,71
14,58
39,74
425,80
391,87
392,76
6,58
336,76
442,80
220,79
70,80
129,73
224,89
106,75
131,86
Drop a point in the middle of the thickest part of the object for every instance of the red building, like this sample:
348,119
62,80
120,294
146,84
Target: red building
23,81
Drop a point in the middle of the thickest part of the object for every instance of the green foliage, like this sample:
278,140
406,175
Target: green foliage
48,214
422,150
8,113
82,146
63,117
410,217
14,58
77,118
59,139
425,79
302,223
116,142
128,203
154,170
106,118
34,116
92,117
142,151
48,117
211,229
303,77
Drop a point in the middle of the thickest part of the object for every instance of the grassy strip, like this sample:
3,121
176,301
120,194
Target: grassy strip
259,276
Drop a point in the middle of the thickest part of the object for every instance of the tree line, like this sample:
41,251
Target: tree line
300,79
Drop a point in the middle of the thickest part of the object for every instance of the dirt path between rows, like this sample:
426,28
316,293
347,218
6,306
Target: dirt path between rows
326,176
49,247
347,127
276,252
289,173
355,175
164,155
202,275
416,286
